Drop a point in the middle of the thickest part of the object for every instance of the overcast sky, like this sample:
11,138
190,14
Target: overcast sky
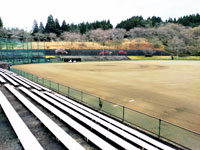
21,13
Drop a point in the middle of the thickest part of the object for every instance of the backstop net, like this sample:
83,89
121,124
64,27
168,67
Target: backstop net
20,52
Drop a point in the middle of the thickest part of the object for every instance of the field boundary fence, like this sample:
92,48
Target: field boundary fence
160,128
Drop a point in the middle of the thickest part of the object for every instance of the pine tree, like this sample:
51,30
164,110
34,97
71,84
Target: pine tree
57,24
50,26
41,28
1,23
58,28
35,28
64,26
82,28
154,21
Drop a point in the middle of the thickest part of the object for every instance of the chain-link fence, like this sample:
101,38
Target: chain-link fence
161,128
9,44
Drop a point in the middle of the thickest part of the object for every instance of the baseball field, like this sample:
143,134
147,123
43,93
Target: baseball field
169,90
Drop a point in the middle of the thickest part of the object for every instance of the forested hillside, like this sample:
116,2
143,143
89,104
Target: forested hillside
180,35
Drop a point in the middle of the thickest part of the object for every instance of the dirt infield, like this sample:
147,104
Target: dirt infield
169,90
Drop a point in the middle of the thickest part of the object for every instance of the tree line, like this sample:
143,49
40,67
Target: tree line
53,26
139,21
174,35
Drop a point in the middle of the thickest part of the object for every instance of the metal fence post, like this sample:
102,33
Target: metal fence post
159,128
50,84
68,91
81,96
123,113
100,103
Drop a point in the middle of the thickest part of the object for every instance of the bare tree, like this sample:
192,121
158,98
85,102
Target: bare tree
196,31
41,37
52,36
117,34
176,45
3,33
99,35
71,36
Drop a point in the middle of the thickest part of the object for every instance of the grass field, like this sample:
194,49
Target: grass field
169,90
164,58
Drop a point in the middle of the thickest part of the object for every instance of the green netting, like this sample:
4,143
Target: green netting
17,55
26,75
141,120
112,109
54,86
75,94
23,74
63,89
35,78
40,81
6,43
90,100
180,135
47,83
30,76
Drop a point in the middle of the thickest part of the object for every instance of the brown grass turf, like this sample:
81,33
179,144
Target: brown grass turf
169,90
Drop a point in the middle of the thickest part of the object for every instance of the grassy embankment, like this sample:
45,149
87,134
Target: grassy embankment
138,43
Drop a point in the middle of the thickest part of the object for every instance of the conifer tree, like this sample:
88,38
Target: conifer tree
1,23
41,28
64,26
50,26
35,28
58,28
